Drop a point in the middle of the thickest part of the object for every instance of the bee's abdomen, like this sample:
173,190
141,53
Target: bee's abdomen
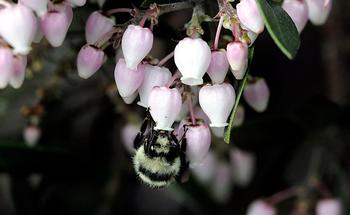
155,176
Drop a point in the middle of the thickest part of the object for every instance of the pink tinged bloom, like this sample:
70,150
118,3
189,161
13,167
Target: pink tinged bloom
222,185
6,66
192,58
56,22
165,105
17,76
18,27
136,44
259,207
257,95
78,3
237,56
298,12
217,102
205,171
242,165
89,60
154,76
239,117
97,26
319,10
329,207
130,99
218,66
39,34
249,15
31,135
127,80
38,6
128,134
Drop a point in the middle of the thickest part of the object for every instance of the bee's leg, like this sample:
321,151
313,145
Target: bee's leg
183,174
139,137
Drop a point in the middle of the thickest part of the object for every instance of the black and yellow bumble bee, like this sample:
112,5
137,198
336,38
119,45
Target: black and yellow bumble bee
160,157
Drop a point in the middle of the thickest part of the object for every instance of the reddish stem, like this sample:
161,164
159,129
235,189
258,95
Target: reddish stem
176,75
119,10
282,195
166,58
190,107
217,35
236,32
105,38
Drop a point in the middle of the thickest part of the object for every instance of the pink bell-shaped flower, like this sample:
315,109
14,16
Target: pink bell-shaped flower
154,76
221,185
298,12
192,58
56,22
259,207
17,76
31,135
257,95
97,26
242,165
39,6
205,171
127,80
237,56
136,44
239,117
165,105
89,60
6,66
319,10
218,66
329,207
18,27
78,3
217,102
249,15
130,99
198,140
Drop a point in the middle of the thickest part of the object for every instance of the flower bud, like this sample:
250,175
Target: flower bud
97,26
127,80
249,15
319,10
329,207
198,140
221,186
31,135
217,102
237,56
6,66
154,76
298,12
17,76
239,117
192,58
89,60
136,44
165,105
242,164
205,171
218,66
18,27
39,6
56,22
78,3
259,207
257,95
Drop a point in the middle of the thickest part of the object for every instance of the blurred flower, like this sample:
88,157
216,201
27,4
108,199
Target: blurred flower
17,76
31,135
319,10
97,26
39,6
128,134
205,171
6,66
243,165
298,12
259,207
221,185
239,117
257,94
328,207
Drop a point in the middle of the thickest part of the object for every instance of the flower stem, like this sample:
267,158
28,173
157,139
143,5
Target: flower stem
283,195
119,10
104,38
190,108
217,35
176,75
166,58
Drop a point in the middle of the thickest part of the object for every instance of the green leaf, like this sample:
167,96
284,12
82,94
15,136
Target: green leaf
281,28
227,136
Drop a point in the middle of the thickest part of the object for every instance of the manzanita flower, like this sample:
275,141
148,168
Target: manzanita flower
6,66
97,26
192,58
239,117
136,44
39,6
205,171
242,165
18,27
17,76
130,99
319,10
298,12
56,22
127,80
257,95
221,185
218,66
329,207
198,141
154,76
89,60
237,56
217,102
259,207
165,105
249,15
31,135
78,3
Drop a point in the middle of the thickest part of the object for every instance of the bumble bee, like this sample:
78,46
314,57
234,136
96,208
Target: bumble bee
160,157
